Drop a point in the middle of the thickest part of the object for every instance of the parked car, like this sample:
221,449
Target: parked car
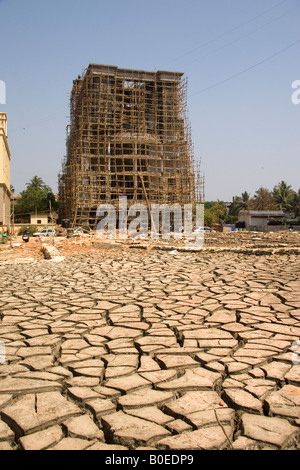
205,229
46,232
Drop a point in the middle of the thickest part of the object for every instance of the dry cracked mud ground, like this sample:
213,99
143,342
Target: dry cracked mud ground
151,350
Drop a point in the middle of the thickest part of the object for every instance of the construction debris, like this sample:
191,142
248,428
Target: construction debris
278,243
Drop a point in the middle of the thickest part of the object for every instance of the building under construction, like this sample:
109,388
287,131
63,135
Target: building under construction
128,136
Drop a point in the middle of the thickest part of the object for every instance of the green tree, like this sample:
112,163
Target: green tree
214,212
295,203
36,183
210,217
245,200
283,195
264,200
238,203
36,198
236,206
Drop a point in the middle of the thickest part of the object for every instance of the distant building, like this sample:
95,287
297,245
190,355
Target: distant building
256,219
42,218
4,173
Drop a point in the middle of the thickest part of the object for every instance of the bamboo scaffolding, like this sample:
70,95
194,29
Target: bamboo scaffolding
124,124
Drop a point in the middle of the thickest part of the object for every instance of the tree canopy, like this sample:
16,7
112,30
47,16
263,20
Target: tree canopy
282,197
35,198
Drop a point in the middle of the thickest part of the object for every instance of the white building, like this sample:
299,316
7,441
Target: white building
256,219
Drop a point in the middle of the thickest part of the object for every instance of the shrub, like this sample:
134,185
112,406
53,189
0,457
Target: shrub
30,229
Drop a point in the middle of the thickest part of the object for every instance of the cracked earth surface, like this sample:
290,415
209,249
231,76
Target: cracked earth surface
151,350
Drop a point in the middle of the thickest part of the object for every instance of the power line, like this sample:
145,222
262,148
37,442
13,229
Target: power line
246,70
226,33
244,36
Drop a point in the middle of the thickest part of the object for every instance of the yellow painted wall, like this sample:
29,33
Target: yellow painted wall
4,153
42,217
4,172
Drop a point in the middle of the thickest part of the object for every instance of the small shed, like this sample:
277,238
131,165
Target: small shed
253,219
41,218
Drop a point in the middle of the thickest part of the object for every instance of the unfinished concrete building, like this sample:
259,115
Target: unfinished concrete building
128,136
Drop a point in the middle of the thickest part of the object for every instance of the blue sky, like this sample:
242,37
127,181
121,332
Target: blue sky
240,56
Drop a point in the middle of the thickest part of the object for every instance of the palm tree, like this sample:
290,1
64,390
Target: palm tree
236,205
295,203
283,194
36,183
245,200
264,200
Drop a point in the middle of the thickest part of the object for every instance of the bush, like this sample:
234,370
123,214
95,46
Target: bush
59,230
30,229
294,222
